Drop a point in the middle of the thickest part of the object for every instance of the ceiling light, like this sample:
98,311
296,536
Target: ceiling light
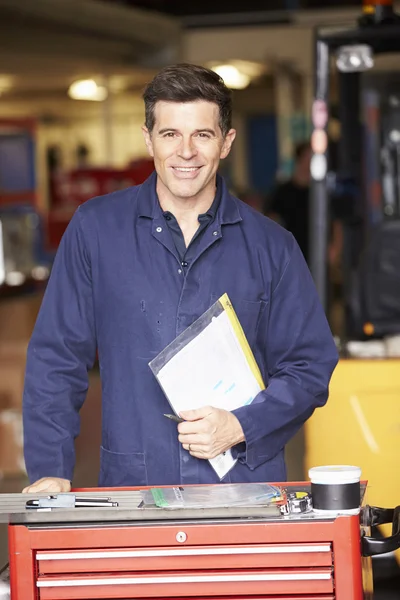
87,89
351,59
232,77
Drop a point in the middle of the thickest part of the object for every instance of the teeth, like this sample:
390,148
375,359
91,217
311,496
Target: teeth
186,169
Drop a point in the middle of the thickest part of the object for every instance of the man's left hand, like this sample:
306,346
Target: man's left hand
208,431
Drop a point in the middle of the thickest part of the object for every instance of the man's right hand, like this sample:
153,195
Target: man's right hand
48,484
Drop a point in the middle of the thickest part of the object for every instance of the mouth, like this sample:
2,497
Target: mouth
186,172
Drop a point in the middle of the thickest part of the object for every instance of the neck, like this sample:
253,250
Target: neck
185,208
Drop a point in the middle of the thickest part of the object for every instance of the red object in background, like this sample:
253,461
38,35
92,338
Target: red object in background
232,559
378,2
69,189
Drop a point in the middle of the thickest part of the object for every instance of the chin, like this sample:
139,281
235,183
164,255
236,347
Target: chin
185,191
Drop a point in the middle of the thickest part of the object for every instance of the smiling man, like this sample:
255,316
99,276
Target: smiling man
135,269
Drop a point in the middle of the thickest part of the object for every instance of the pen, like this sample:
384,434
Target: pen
174,418
95,504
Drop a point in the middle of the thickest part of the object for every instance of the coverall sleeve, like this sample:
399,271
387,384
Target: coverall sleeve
60,352
301,356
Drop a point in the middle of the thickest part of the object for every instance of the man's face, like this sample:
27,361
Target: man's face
187,144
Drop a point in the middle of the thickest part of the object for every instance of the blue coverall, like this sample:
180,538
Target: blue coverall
118,287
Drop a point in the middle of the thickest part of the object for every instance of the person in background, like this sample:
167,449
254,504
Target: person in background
289,205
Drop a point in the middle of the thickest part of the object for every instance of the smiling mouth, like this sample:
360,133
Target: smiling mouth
186,169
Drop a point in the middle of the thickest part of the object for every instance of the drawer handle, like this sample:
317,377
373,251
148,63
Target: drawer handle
183,552
185,579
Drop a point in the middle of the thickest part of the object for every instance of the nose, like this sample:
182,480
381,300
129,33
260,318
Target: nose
187,148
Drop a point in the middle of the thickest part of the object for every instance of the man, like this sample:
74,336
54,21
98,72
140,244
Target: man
135,269
289,205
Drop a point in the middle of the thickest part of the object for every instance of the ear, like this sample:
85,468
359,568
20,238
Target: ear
228,141
147,139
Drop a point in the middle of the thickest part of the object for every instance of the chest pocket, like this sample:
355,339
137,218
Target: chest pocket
250,314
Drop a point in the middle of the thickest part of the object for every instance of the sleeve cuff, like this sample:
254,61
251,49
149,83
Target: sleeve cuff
253,451
239,452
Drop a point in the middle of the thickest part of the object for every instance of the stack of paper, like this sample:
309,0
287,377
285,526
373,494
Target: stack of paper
210,364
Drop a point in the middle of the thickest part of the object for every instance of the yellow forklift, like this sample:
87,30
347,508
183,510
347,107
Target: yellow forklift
360,424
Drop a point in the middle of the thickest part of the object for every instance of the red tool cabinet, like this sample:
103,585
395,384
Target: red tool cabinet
292,558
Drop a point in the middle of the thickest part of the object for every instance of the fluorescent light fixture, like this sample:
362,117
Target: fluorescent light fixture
232,77
352,59
87,89
238,74
2,268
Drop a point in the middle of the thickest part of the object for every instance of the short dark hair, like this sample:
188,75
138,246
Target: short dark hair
188,83
300,150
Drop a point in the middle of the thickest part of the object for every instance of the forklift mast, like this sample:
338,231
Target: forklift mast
354,48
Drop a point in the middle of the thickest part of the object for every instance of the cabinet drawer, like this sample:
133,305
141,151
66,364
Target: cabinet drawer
185,558
186,584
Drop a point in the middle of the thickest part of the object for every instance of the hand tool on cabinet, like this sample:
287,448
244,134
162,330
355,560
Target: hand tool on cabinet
69,501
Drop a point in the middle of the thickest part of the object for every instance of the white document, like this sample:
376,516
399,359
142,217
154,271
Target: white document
211,370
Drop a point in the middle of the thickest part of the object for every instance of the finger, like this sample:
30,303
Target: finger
206,453
192,427
35,489
44,485
203,425
196,451
199,413
32,489
198,439
53,489
200,451
39,486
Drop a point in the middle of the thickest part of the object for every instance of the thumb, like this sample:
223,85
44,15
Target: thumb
195,415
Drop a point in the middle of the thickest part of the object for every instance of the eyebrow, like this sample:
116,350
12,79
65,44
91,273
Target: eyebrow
204,130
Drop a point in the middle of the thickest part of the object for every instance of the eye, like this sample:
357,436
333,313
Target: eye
203,135
169,134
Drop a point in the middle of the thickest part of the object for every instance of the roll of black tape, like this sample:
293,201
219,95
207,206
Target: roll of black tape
335,488
336,496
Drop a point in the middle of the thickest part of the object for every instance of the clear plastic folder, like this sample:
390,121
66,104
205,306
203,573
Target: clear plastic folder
210,363
213,496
